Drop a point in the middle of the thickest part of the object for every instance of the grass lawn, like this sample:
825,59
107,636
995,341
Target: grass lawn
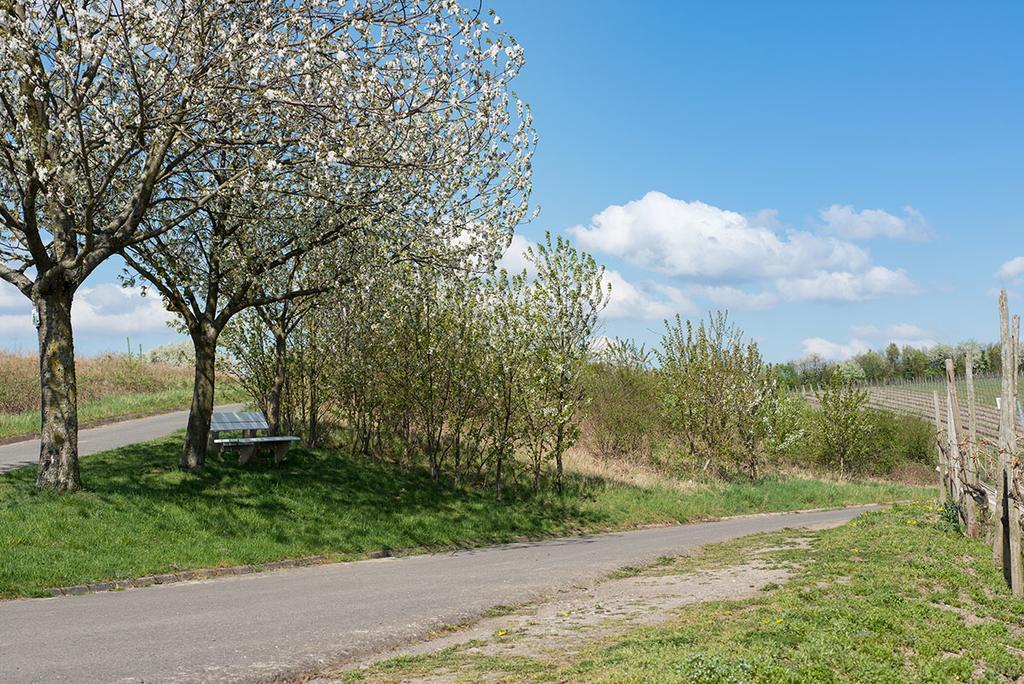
141,515
118,406
894,596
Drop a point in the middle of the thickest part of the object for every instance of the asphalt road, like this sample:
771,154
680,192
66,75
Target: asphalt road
253,627
111,436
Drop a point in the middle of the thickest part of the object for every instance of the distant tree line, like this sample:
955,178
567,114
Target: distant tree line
890,364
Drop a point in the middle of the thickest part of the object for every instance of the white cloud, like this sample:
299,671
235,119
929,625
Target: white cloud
110,308
514,258
834,351
897,330
846,286
844,221
697,240
870,336
1014,268
733,297
735,260
649,301
644,302
11,298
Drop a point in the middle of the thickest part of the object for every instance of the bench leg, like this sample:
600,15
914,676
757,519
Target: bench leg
216,450
245,453
281,451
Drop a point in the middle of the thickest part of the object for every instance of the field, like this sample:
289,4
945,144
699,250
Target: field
110,386
894,596
141,515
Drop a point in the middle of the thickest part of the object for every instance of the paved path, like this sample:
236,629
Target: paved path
104,437
257,626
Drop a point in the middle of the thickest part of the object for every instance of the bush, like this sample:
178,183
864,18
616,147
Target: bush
718,395
898,439
843,434
623,418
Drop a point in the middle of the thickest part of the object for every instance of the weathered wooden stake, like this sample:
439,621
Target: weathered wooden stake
960,447
1016,534
940,458
1008,517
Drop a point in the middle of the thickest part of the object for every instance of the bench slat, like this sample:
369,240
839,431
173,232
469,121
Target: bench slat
254,440
229,420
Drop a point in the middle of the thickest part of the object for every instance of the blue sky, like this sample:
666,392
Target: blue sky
836,174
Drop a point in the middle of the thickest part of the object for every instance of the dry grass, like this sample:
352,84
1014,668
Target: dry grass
580,459
98,377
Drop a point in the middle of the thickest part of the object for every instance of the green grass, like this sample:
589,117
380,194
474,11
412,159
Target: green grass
894,596
141,515
119,406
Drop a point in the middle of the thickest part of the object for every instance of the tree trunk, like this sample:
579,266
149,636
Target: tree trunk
559,448
193,457
277,390
58,448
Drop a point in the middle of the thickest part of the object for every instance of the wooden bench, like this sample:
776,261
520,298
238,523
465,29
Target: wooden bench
248,423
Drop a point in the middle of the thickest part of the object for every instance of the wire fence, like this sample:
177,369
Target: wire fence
927,398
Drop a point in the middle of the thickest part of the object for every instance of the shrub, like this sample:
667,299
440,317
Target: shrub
718,395
623,418
844,427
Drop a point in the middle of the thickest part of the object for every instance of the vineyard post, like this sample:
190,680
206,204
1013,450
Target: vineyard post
973,450
1008,518
961,448
1016,534
941,455
1001,542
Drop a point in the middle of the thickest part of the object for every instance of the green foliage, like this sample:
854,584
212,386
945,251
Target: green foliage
718,395
895,439
910,363
446,361
844,427
623,416
950,517
142,515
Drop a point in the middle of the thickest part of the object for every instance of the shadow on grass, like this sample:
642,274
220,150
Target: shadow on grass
140,514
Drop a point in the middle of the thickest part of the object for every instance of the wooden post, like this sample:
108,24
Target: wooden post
1016,534
959,447
972,421
940,458
973,448
1007,516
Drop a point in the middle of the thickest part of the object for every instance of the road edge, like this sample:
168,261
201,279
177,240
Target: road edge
204,574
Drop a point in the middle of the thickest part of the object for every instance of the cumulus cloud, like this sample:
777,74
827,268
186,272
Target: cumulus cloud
102,315
1014,268
870,336
698,240
834,351
901,330
846,286
846,222
108,307
644,302
734,297
648,301
514,258
10,298
741,261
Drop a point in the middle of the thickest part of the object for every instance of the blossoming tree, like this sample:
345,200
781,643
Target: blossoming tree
112,110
